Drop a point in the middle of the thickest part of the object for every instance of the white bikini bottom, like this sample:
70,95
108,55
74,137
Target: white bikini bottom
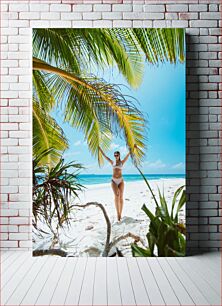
117,181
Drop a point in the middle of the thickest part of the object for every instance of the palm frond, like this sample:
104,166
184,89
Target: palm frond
161,45
53,189
98,108
47,134
41,92
82,49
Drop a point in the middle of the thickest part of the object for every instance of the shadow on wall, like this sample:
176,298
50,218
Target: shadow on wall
197,207
193,171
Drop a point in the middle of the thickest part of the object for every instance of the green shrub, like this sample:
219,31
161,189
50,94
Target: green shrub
165,232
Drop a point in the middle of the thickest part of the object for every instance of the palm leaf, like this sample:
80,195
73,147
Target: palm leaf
162,44
47,134
102,104
41,92
82,49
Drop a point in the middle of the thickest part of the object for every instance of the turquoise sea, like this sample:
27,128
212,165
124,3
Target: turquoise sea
91,179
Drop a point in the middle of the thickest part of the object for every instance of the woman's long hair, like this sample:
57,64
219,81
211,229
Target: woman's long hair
117,152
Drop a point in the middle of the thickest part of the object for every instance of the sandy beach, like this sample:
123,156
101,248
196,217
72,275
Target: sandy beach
87,233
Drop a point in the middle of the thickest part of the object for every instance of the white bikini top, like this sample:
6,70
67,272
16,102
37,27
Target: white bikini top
118,166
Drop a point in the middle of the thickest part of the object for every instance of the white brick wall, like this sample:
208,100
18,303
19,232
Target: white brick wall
200,17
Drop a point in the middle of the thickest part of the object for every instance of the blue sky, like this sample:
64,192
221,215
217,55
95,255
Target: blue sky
162,98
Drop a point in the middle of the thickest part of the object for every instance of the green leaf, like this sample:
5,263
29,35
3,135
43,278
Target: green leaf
140,252
97,108
182,201
148,212
164,209
47,134
148,185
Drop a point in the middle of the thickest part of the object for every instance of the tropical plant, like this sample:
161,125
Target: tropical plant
62,63
53,187
166,233
47,134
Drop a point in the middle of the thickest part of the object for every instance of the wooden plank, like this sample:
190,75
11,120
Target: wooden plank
62,287
18,294
4,255
208,292
126,289
39,282
10,261
151,285
167,291
137,283
113,286
47,291
73,293
214,280
181,293
86,294
190,286
17,278
13,269
211,261
100,283
197,276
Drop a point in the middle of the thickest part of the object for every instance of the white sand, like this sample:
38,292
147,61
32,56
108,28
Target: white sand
86,236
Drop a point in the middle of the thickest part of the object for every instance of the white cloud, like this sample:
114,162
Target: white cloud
77,143
178,166
114,146
91,165
123,150
95,169
158,164
70,154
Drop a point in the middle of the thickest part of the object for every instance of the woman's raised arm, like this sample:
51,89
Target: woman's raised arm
127,156
106,157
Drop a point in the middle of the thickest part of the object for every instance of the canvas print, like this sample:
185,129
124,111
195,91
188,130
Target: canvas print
109,142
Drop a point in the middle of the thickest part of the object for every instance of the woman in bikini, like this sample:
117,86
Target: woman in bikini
117,182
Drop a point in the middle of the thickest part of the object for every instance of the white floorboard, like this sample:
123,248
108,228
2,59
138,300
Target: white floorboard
18,278
187,281
113,285
38,284
52,280
5,255
10,261
22,288
13,269
86,294
75,286
151,285
208,292
63,284
174,279
100,283
210,261
126,289
47,291
165,287
139,289
213,279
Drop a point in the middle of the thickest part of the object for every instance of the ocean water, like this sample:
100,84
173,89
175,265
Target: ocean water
92,179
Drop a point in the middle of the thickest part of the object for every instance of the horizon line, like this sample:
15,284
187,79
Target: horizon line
134,174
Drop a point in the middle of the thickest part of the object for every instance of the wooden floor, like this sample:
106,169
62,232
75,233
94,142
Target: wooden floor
109,281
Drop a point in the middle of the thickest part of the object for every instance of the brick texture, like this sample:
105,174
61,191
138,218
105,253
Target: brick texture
201,18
